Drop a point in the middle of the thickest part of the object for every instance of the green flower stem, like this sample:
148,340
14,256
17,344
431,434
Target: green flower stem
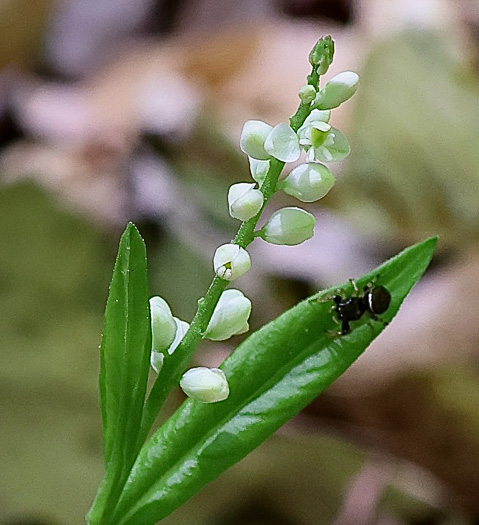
175,364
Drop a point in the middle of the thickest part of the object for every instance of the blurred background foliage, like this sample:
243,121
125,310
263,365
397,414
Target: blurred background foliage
115,111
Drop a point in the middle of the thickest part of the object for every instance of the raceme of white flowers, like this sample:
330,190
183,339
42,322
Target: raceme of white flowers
231,261
207,385
307,182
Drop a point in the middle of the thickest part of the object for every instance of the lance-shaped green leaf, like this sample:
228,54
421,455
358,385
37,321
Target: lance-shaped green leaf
125,353
272,375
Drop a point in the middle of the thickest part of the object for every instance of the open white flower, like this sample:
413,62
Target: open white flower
244,201
231,261
230,316
321,141
207,385
282,143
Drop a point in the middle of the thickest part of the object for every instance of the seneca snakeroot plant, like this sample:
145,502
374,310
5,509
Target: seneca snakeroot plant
274,372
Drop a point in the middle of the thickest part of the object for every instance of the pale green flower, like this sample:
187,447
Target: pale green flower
282,143
321,141
308,182
288,226
207,385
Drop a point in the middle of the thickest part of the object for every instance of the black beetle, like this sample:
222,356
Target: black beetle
374,299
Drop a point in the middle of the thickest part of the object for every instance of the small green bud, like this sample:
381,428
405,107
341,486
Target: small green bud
252,139
288,226
207,385
230,316
244,201
307,94
339,89
231,261
308,182
321,56
282,143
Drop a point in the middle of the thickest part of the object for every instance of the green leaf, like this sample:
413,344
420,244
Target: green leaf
125,351
273,374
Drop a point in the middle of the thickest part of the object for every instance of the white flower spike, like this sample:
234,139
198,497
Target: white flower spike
288,226
230,316
231,261
308,182
339,89
244,201
207,385
253,137
282,143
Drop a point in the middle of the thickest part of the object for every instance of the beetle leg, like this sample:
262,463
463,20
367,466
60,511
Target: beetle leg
354,285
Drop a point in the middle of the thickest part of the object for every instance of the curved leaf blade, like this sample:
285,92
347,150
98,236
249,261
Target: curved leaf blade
273,374
125,350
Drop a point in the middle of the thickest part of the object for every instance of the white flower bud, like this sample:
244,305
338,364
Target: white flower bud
288,226
157,356
307,93
339,89
207,385
252,139
230,316
308,182
282,143
231,261
244,201
259,169
163,326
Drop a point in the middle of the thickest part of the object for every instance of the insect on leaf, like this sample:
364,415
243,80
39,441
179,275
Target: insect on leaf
272,375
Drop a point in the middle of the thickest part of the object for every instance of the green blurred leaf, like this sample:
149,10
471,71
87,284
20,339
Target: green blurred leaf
273,374
125,351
